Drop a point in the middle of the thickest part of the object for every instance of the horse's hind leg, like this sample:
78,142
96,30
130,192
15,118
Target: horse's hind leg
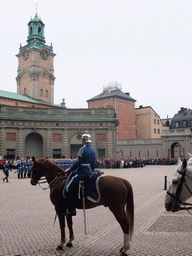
71,235
62,228
121,217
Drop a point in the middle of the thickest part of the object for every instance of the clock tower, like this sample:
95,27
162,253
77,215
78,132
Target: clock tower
35,74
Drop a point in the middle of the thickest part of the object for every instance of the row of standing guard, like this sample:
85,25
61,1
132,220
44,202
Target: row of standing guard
24,168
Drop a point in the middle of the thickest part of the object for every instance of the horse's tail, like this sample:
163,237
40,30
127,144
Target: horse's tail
130,207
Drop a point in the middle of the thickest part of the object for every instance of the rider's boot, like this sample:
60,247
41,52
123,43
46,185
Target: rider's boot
71,211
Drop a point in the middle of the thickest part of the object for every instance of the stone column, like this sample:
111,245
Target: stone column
187,146
93,139
109,144
114,143
66,150
2,142
20,144
48,144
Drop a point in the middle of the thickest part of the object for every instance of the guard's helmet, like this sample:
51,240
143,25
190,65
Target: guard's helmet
86,137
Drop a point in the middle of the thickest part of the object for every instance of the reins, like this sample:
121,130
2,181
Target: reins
44,180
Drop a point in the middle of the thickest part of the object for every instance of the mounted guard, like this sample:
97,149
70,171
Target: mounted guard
80,169
114,192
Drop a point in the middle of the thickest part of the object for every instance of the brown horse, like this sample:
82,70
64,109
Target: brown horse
116,193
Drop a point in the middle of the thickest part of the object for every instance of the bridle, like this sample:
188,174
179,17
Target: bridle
44,180
176,198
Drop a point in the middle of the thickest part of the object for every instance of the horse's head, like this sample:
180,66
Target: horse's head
173,196
37,173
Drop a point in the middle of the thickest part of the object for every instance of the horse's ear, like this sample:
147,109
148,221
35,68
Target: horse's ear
33,159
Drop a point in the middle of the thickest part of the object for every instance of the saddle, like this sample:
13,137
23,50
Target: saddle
91,190
91,184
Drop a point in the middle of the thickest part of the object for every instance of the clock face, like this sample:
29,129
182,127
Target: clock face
44,54
25,54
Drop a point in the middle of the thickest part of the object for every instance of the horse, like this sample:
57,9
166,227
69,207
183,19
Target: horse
180,189
115,193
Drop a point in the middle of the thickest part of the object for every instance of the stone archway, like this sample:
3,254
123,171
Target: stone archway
76,144
34,145
176,150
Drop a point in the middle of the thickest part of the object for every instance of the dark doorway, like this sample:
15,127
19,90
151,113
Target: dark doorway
176,150
74,149
34,145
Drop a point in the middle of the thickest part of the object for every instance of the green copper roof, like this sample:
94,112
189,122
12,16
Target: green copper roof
36,37
36,19
16,96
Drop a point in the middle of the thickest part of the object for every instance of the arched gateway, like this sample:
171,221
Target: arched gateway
34,145
76,144
176,150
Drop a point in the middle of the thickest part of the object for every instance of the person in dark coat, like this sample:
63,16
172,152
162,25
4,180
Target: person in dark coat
6,169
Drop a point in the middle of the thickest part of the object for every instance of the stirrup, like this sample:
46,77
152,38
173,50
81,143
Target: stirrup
70,213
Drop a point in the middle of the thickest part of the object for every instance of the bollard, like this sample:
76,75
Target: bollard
165,185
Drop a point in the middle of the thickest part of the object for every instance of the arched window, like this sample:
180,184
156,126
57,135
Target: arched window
25,90
41,92
46,93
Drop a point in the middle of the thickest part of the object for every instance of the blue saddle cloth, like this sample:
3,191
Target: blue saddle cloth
91,183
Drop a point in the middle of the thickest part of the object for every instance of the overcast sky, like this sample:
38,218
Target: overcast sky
146,45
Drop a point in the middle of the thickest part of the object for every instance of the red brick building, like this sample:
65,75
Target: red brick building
124,106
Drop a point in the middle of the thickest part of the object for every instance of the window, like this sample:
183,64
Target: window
79,137
157,153
155,131
139,153
11,137
147,153
184,123
25,90
177,124
101,137
10,154
46,93
41,92
154,121
56,153
157,121
130,153
158,131
56,137
101,153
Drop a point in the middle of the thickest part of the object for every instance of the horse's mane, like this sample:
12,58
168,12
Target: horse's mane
48,162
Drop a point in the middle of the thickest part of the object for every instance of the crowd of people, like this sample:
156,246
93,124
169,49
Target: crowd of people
130,162
23,166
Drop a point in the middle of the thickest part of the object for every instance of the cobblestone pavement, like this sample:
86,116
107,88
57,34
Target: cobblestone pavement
27,217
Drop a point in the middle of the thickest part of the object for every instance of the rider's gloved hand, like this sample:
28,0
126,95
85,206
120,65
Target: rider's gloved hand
68,170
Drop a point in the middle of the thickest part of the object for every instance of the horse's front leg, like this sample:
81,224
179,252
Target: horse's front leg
71,235
62,228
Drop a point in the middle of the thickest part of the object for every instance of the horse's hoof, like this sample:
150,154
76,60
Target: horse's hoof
69,245
122,252
59,247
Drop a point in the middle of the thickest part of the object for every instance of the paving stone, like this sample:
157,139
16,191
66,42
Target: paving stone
28,216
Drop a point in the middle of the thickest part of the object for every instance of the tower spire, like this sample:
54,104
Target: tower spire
36,11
